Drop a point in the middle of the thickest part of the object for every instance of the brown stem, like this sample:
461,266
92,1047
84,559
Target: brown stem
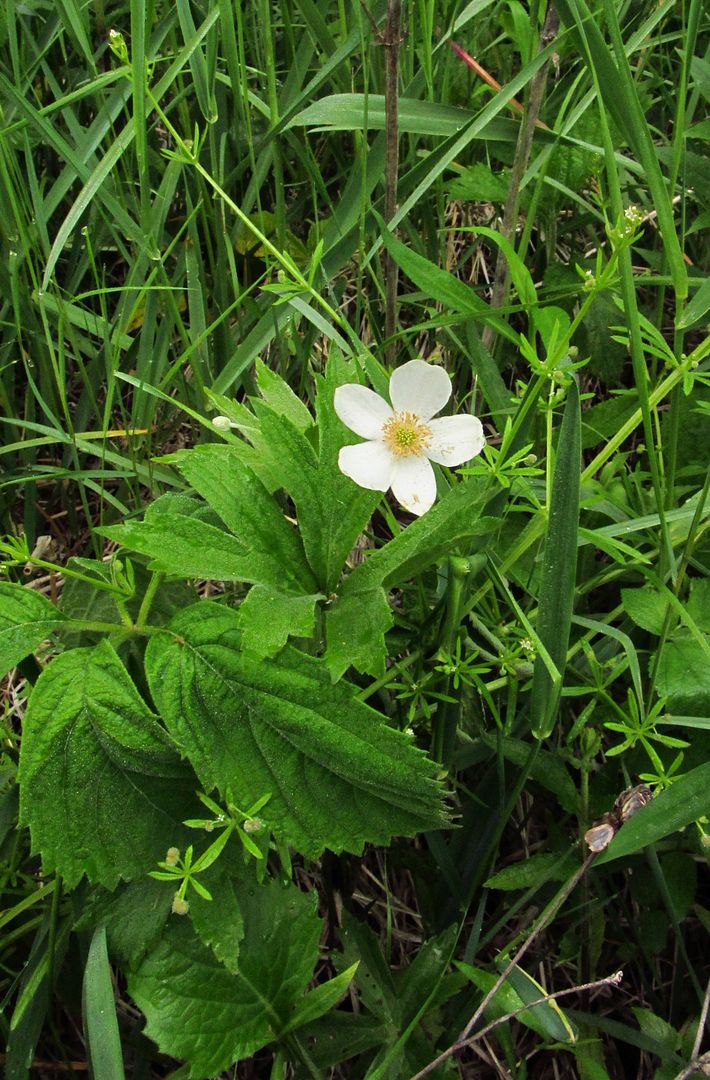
391,41
520,163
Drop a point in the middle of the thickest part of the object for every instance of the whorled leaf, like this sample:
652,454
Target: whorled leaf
338,776
101,787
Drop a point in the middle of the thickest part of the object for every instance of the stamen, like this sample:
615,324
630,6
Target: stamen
406,435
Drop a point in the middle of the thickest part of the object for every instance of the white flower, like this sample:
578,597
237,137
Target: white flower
402,437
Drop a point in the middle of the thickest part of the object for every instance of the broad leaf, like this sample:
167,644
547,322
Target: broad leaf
683,675
218,922
361,609
187,547
197,1010
337,774
26,619
101,787
240,499
134,915
646,607
269,617
278,394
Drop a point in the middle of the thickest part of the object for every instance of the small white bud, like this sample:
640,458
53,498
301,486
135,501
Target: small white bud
180,905
172,856
222,423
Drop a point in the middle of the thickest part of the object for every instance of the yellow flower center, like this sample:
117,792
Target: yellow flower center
405,434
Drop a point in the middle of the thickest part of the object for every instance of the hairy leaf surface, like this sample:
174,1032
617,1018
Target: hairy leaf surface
102,789
26,619
337,774
195,1009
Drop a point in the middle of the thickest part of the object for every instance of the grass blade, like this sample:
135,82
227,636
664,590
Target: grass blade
559,567
100,1021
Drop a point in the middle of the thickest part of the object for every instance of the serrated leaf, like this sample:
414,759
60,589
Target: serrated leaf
531,872
698,605
26,619
345,507
362,601
134,915
101,787
278,394
219,922
356,625
646,607
686,800
197,1010
339,776
240,499
269,617
479,183
683,674
187,547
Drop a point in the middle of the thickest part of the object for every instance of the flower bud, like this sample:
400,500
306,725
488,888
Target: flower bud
222,423
180,905
172,856
253,825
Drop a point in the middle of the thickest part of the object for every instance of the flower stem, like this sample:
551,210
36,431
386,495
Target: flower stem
447,716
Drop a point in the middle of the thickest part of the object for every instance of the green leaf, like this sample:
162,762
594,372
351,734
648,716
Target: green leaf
187,547
82,600
683,675
544,1019
26,619
240,499
100,1023
278,394
101,786
197,1010
698,606
480,184
559,566
362,603
339,776
530,873
356,625
646,607
686,800
348,112
455,295
345,508
269,617
519,273
219,922
321,999
620,96
134,915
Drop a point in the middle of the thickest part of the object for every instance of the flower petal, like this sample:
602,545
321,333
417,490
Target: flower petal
369,464
419,388
414,484
362,410
455,439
